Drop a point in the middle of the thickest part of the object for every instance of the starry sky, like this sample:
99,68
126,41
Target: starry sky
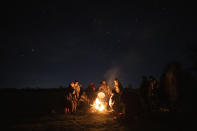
48,44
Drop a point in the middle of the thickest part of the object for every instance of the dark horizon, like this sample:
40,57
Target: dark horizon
51,44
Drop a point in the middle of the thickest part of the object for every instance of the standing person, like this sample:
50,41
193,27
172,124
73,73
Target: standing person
102,86
77,89
172,87
144,91
68,103
116,96
117,104
116,86
164,106
150,93
73,92
74,102
155,95
68,98
106,90
144,87
72,87
91,92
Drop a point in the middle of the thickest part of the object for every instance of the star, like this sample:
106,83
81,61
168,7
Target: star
32,50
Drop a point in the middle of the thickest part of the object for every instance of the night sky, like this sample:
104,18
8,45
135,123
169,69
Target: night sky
48,44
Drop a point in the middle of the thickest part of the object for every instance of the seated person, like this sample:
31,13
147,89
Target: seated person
83,101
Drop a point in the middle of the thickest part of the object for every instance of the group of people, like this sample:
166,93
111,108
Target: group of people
150,92
162,94
74,97
113,94
77,97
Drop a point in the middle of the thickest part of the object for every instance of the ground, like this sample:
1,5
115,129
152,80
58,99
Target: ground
32,111
101,122
88,121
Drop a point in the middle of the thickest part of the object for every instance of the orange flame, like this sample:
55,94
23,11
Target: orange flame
98,105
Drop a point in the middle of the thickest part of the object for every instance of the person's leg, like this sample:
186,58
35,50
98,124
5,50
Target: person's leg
67,111
149,104
73,106
76,106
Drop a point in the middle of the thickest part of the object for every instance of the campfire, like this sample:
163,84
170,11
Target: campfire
99,104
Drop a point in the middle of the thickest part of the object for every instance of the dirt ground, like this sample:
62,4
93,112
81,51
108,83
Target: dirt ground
88,121
30,111
100,122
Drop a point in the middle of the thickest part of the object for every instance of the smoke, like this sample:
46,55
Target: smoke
112,74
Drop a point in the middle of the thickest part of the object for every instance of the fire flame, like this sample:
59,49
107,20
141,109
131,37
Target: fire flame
98,105
101,105
111,103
